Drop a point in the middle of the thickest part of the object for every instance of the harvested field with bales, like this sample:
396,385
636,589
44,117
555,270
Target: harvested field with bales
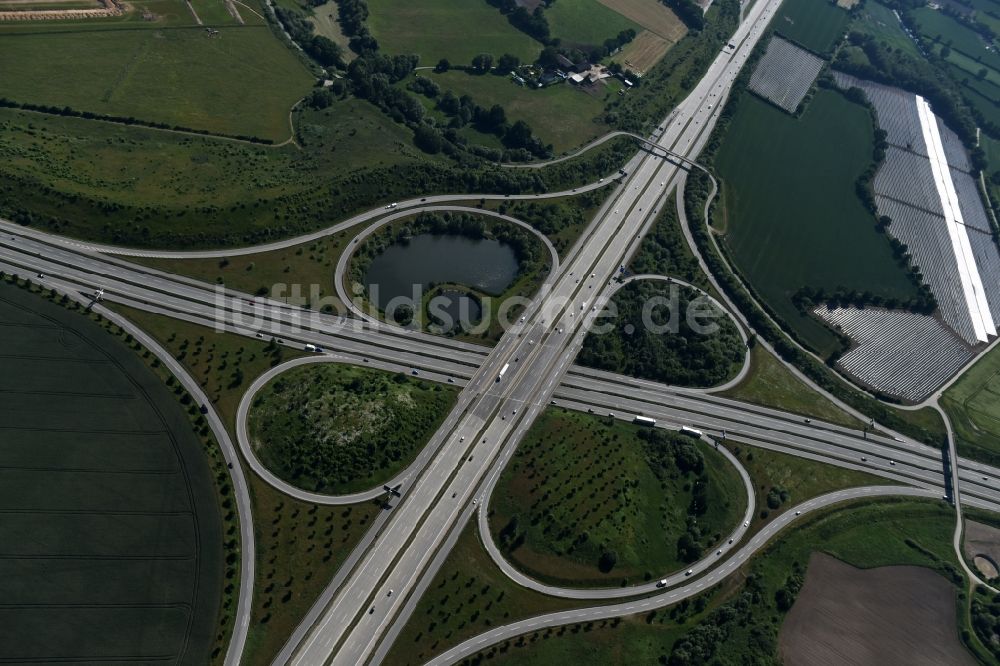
889,615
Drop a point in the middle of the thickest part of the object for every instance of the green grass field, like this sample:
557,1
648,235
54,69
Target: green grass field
555,513
352,428
452,29
744,629
877,20
179,76
801,478
687,341
973,406
560,114
770,384
791,215
586,22
938,27
112,537
814,24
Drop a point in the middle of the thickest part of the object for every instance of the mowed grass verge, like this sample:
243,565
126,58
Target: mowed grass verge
453,29
771,384
973,406
655,501
242,81
792,217
112,541
300,546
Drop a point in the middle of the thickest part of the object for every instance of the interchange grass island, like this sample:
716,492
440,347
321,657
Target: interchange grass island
684,339
657,501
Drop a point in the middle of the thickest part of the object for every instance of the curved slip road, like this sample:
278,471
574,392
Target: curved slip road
475,644
340,272
714,554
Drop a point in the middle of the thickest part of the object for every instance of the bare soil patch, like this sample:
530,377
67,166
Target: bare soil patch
651,15
900,615
645,51
982,545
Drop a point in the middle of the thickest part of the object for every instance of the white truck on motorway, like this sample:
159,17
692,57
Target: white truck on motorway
310,347
646,421
691,432
503,371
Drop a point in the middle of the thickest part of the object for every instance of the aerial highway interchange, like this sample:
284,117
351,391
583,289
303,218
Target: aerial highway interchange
502,390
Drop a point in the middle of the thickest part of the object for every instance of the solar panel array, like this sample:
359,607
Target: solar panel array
906,191
784,74
900,353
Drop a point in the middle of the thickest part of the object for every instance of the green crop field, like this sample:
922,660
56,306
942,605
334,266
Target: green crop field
740,623
452,29
560,114
351,429
791,215
657,501
179,76
973,406
586,22
688,340
815,24
111,522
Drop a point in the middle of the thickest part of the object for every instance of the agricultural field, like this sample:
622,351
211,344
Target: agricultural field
771,384
697,343
644,51
813,24
788,188
456,30
585,23
973,406
651,15
91,561
883,614
657,501
179,76
738,623
353,428
561,114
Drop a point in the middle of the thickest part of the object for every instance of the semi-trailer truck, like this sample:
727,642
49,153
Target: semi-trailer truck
503,371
